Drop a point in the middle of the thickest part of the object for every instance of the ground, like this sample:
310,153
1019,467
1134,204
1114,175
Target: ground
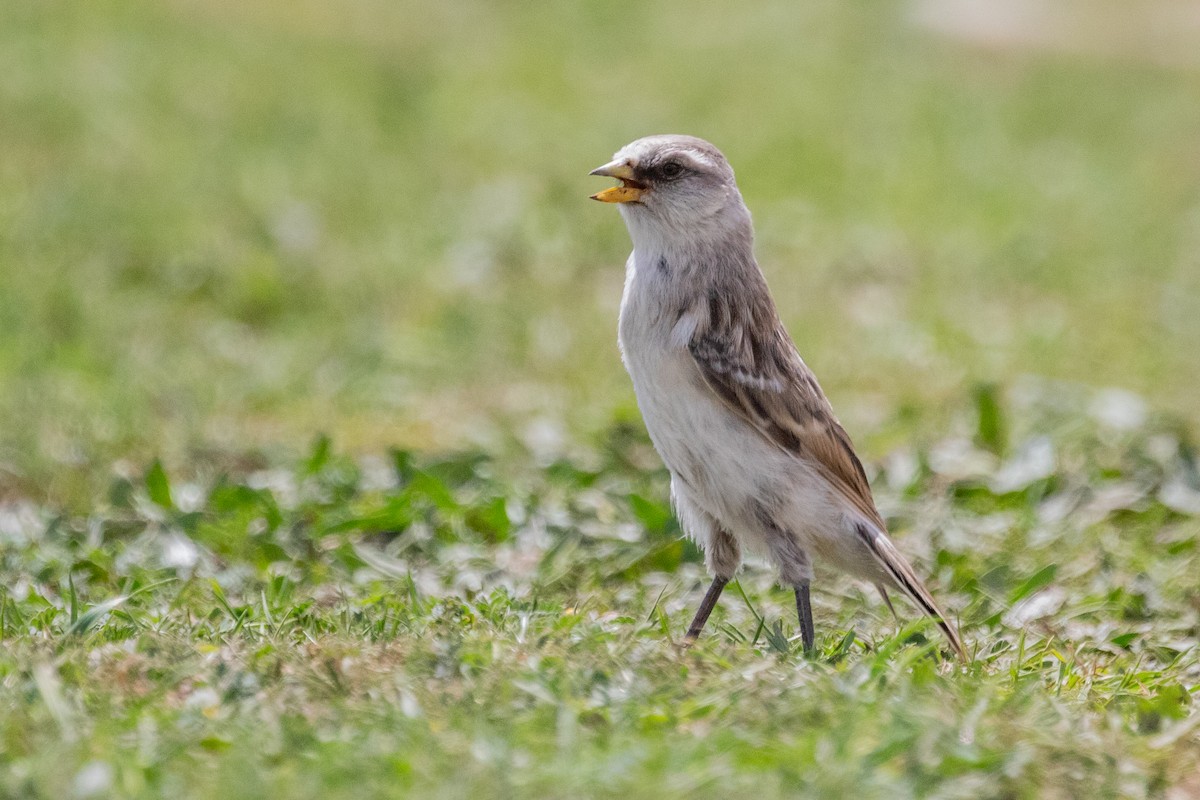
320,476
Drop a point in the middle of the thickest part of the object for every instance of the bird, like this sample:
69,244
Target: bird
758,461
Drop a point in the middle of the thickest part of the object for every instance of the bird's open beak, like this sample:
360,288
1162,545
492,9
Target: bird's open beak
630,191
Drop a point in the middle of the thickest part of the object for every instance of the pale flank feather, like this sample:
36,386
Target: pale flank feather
765,382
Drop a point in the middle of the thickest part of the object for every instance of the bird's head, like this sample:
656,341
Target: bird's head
673,187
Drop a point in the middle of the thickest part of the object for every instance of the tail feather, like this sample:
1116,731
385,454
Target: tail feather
897,567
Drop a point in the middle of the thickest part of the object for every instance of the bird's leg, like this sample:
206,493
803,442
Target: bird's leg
795,570
706,606
804,610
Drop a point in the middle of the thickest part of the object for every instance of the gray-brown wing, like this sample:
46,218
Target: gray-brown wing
764,380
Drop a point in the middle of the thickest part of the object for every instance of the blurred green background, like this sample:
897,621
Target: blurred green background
227,226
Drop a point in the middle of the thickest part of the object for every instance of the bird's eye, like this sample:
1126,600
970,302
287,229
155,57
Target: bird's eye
672,169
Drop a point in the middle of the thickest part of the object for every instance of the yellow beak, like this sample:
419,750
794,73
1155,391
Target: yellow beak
627,192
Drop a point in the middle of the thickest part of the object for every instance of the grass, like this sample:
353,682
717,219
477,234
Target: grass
228,227
440,628
320,477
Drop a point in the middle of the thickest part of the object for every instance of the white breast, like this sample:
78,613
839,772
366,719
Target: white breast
719,459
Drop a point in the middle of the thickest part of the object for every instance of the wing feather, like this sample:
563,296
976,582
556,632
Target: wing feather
768,385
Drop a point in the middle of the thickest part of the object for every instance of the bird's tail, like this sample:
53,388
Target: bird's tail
902,575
